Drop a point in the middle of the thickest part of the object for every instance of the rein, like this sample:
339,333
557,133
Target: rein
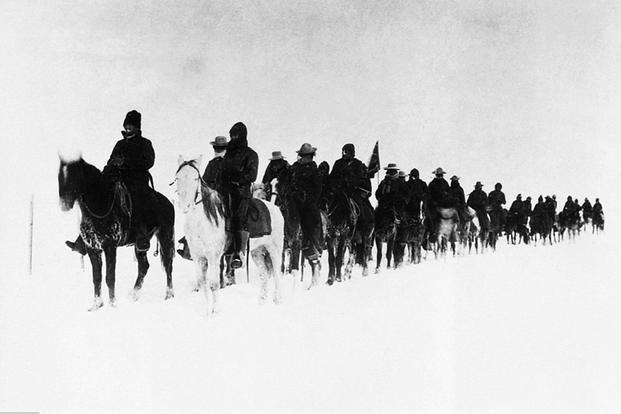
203,184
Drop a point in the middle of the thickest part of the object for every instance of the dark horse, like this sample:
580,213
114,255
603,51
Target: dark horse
107,225
385,232
342,220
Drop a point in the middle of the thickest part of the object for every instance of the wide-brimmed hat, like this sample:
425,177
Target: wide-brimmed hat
478,184
306,149
277,155
220,142
454,178
391,166
438,170
402,173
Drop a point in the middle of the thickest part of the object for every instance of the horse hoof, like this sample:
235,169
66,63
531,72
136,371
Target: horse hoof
365,272
169,294
135,294
97,304
377,271
113,302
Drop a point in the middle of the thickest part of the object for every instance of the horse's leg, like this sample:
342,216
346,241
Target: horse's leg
95,257
166,240
390,246
274,267
110,253
340,255
331,261
143,267
378,244
259,256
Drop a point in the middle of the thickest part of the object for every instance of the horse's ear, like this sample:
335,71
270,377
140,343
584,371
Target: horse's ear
179,160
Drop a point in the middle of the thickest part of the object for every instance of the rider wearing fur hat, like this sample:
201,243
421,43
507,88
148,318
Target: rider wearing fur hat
349,175
129,163
239,171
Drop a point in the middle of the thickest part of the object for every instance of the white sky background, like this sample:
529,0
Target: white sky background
526,93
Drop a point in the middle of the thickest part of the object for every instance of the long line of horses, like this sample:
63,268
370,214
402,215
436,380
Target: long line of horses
349,237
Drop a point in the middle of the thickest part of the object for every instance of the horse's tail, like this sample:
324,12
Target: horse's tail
166,232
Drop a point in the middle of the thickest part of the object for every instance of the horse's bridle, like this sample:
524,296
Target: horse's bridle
201,183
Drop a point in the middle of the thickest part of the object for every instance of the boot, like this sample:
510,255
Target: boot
240,241
142,238
77,246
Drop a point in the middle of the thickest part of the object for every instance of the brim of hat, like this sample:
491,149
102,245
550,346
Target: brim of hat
277,158
392,168
214,144
313,151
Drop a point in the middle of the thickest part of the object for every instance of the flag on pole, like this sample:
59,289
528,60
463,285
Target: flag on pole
374,161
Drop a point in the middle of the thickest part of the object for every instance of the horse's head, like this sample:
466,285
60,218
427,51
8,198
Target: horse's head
70,178
188,180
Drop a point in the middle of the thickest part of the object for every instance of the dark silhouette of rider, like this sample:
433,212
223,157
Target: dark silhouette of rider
129,163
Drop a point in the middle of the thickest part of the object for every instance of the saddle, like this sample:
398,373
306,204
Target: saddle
259,221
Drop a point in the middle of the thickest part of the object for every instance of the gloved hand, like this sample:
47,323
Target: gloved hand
116,162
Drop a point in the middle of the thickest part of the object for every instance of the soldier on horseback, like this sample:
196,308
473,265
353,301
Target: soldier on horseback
497,198
391,193
516,210
129,164
212,178
349,175
418,192
438,197
239,171
303,200
477,200
457,197
527,210
587,210
276,166
213,171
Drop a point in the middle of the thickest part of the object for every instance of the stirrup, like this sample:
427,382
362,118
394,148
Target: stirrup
236,262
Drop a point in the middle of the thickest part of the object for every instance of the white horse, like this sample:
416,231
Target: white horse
205,234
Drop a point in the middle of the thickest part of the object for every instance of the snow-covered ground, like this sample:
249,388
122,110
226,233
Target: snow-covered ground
523,329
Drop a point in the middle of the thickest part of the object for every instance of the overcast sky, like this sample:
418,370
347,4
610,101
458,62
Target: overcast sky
526,93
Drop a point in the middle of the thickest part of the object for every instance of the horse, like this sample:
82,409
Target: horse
446,230
410,233
362,241
292,256
107,224
541,225
472,230
342,219
570,223
385,232
597,222
497,219
204,227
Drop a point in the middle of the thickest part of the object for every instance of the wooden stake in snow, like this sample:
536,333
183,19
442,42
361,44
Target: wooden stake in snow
31,229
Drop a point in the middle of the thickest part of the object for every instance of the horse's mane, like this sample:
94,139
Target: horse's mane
212,203
210,198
